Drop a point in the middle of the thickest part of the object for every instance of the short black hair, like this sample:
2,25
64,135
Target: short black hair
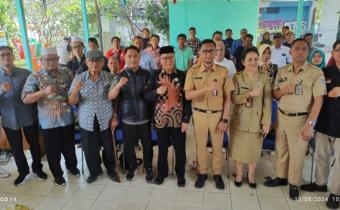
93,40
217,32
250,36
137,37
115,37
249,50
155,35
131,47
286,27
6,48
244,29
337,42
299,40
181,35
207,41
146,29
227,30
307,34
192,28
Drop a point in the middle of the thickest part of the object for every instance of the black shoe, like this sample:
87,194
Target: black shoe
60,181
159,180
91,179
180,181
20,179
314,187
131,174
251,185
114,177
149,175
238,184
275,182
333,201
75,172
293,192
200,180
219,182
41,174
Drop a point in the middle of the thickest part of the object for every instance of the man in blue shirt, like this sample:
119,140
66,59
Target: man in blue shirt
15,115
49,89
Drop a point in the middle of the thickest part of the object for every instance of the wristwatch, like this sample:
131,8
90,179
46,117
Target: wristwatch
312,123
225,120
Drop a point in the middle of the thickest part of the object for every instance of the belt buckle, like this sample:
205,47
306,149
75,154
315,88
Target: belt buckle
209,112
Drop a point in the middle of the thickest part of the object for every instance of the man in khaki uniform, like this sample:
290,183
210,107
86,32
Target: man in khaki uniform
299,87
209,87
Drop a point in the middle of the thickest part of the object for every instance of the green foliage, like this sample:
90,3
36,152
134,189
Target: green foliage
7,18
158,15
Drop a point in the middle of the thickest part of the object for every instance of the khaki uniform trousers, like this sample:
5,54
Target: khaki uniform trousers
290,148
204,124
325,145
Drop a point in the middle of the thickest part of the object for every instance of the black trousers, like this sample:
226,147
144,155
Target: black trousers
132,134
166,137
16,142
59,141
91,143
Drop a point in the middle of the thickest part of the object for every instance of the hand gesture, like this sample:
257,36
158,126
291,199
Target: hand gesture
289,89
161,90
123,81
184,127
6,86
255,92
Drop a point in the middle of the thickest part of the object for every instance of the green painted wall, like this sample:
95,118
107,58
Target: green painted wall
212,15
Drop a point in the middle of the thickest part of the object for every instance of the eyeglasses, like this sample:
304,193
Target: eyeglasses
94,60
167,57
5,55
76,46
206,51
51,59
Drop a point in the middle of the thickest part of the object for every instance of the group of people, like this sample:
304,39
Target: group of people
144,85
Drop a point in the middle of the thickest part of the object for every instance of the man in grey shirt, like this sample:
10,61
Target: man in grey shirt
16,115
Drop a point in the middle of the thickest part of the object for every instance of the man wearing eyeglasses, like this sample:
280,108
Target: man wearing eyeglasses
209,88
17,116
49,89
77,63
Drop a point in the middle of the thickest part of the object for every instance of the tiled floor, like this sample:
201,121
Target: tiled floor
105,194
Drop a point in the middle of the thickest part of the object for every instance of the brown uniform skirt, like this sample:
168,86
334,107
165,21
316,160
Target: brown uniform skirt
245,146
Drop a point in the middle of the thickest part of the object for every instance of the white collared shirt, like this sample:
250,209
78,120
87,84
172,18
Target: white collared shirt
280,56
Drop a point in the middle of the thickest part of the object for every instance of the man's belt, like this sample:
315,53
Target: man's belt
293,114
207,111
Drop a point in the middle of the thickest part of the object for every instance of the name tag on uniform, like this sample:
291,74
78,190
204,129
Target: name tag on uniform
198,78
328,81
284,54
242,87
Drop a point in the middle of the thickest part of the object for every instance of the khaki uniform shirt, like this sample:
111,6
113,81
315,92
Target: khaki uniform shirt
198,77
259,113
312,83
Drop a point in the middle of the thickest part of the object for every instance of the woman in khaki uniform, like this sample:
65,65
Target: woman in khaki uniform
251,117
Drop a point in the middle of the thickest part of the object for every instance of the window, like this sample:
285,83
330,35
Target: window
273,10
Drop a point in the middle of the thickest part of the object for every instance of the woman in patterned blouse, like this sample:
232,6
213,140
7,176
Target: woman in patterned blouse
265,63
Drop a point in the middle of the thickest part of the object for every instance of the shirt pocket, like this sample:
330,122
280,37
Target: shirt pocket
199,82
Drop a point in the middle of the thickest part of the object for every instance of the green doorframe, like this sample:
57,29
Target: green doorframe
299,19
85,22
23,33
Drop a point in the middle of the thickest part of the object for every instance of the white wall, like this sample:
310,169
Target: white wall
329,23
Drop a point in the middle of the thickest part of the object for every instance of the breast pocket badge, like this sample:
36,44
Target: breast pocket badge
299,88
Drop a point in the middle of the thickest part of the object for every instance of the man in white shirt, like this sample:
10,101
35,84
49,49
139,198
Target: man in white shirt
146,61
222,61
280,53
